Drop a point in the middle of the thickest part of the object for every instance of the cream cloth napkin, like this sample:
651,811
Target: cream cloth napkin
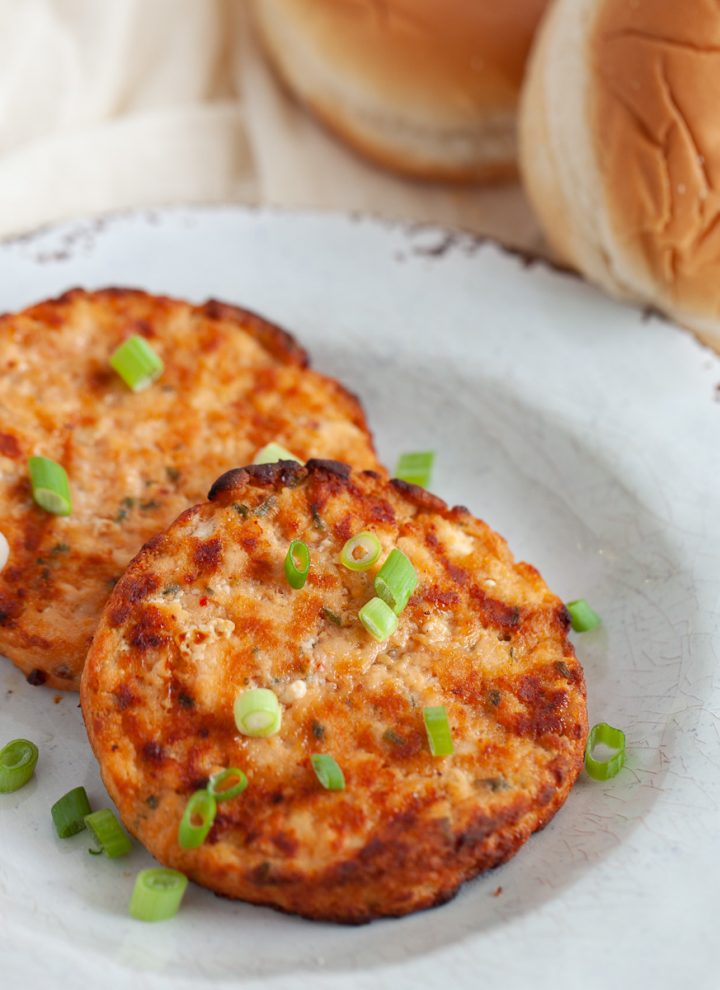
108,104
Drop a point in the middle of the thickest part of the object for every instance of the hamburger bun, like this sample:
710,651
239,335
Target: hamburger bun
425,87
620,150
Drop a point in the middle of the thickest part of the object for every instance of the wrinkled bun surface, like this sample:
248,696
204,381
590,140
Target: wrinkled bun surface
620,149
422,86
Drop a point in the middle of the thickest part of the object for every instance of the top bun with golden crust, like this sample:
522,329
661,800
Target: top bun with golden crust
426,87
620,149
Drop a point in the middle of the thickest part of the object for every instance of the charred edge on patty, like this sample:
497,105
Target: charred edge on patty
472,849
290,474
283,473
275,339
421,496
319,466
279,474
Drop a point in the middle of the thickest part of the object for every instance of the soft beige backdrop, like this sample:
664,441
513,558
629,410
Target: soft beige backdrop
107,104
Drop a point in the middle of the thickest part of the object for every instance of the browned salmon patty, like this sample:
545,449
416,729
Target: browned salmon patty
232,383
205,611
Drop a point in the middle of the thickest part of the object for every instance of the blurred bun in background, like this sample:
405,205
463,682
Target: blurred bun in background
620,149
426,87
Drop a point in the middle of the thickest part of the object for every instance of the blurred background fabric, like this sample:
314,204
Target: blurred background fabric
112,104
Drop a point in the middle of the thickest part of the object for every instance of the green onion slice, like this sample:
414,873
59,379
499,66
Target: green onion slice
582,617
378,618
273,452
108,832
396,580
360,552
157,894
605,735
50,486
197,820
70,811
438,730
257,712
297,564
328,772
416,467
227,784
137,363
18,760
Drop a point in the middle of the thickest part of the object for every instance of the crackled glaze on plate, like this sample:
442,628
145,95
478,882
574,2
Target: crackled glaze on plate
587,434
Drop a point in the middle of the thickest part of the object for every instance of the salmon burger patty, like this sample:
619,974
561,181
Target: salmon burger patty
206,613
232,382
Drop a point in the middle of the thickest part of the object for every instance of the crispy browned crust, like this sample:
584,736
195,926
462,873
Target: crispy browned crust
61,569
273,338
408,829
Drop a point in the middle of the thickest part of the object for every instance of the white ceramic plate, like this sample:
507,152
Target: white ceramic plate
586,434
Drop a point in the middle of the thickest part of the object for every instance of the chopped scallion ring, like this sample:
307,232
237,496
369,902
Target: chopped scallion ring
50,486
4,550
197,820
328,772
257,712
582,617
360,552
603,734
227,784
108,832
157,894
297,564
416,467
273,452
137,363
396,580
70,811
18,760
438,730
378,619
